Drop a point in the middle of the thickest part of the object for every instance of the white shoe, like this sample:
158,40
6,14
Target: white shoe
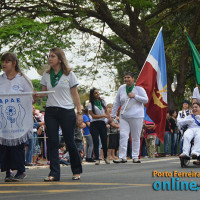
136,160
97,162
107,160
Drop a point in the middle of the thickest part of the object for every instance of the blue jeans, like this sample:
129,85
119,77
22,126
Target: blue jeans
89,146
55,116
29,151
166,142
174,143
143,148
64,162
181,146
35,146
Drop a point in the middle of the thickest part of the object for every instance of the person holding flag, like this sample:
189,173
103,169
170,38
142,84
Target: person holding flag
152,87
131,98
16,122
153,78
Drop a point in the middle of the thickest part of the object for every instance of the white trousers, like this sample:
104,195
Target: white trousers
127,126
187,137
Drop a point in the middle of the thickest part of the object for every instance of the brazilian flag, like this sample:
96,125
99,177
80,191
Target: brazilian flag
195,57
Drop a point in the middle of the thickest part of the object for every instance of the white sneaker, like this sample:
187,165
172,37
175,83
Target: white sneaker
97,162
136,160
107,160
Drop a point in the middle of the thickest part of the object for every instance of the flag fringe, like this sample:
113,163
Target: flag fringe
17,141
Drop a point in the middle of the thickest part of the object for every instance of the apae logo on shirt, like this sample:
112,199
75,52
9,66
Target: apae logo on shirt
15,87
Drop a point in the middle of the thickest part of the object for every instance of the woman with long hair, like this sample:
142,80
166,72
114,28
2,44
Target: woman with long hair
97,110
12,154
60,112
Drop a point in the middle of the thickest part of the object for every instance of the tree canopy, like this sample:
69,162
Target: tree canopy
125,30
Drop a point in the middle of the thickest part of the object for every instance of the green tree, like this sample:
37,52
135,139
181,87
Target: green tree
125,29
40,104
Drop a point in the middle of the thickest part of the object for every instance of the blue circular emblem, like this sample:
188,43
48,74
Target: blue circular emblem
15,87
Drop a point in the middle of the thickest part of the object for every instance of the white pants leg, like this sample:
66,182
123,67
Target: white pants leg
187,137
124,135
127,126
136,128
196,146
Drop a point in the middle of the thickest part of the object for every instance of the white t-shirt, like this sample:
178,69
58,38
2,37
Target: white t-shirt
16,85
196,94
97,111
62,96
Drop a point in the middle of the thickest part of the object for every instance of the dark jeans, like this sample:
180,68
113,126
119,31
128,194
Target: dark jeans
12,157
29,152
42,145
55,116
98,128
144,148
174,143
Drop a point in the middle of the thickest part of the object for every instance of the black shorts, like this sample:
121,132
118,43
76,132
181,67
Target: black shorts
113,141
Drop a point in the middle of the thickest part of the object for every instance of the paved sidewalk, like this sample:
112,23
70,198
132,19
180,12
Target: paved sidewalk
43,163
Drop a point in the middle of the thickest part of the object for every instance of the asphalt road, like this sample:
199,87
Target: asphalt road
106,182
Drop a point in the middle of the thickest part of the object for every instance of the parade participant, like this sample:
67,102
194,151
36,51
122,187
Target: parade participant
182,114
97,110
132,100
60,111
193,132
12,153
185,110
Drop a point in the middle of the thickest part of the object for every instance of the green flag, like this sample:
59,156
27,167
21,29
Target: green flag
195,57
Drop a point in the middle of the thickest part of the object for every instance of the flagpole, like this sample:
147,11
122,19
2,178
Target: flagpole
141,70
27,93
